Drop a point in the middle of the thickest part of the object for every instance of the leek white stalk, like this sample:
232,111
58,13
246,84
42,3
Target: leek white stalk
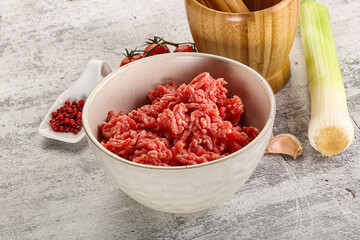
330,129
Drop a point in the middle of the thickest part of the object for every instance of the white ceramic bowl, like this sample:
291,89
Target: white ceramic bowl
181,189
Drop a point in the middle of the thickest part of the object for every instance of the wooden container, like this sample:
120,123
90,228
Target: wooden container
261,39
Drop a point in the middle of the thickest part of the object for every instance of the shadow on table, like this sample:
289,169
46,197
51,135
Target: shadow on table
132,220
48,144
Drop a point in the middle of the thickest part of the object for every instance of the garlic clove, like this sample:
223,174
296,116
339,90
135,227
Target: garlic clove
285,144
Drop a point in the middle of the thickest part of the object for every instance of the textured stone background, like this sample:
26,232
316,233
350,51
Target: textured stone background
55,190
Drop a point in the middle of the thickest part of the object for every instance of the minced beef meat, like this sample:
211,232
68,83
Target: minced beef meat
190,124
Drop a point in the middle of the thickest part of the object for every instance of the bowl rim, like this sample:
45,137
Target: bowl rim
276,6
266,128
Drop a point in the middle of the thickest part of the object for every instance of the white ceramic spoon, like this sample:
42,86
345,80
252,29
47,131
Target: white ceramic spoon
93,74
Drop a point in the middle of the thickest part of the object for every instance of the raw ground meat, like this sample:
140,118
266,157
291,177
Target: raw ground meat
190,124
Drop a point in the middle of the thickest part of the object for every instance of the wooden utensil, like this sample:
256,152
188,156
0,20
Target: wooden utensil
260,39
234,6
256,5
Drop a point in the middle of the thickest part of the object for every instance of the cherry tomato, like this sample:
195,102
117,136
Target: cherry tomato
184,48
155,48
129,59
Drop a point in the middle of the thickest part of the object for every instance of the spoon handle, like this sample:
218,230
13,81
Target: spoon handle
233,6
92,74
236,6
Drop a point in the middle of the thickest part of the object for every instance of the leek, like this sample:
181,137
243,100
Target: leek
330,129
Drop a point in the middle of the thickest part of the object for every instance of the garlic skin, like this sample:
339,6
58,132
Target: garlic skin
285,144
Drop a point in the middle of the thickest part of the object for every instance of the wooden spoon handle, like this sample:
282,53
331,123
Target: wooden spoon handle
202,2
234,6
210,4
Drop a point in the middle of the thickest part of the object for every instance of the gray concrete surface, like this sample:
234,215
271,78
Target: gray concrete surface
55,190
